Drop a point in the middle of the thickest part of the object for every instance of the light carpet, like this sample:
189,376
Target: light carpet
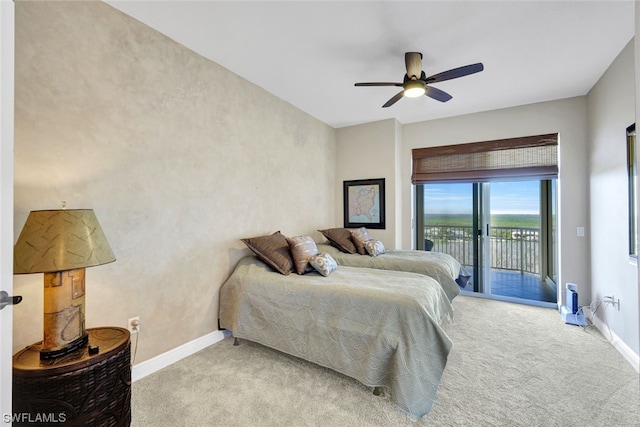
511,365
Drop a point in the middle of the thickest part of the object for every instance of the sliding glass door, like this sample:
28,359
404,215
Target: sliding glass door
449,222
502,232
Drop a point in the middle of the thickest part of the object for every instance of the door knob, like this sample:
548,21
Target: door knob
5,299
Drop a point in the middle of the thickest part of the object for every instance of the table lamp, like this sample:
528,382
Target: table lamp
61,244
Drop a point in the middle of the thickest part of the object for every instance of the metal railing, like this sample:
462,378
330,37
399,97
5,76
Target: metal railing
512,248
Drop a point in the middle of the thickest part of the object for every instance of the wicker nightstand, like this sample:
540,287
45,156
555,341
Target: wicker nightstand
83,388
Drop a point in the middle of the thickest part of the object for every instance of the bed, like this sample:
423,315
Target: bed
382,328
347,247
442,267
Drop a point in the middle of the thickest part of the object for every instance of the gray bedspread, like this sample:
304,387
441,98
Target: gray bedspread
442,267
382,328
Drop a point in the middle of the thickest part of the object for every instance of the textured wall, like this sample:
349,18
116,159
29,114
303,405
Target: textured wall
611,110
368,151
178,157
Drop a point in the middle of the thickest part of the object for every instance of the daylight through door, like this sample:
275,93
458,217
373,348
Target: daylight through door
502,232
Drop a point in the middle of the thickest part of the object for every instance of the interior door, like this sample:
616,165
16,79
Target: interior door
6,200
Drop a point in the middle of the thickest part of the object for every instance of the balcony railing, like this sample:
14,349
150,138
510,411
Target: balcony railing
512,248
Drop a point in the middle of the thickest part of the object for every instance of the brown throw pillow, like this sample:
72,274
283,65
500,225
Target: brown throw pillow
302,248
272,249
340,238
359,236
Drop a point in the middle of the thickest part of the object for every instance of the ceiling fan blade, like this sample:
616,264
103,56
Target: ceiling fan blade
455,73
393,100
413,63
437,94
379,84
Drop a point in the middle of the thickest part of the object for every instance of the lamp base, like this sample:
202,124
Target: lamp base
64,329
47,354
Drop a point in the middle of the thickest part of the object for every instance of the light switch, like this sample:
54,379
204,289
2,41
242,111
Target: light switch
580,231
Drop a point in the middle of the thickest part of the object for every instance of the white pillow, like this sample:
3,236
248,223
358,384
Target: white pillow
374,247
323,263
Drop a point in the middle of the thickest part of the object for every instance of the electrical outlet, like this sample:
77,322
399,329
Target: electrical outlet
134,325
613,300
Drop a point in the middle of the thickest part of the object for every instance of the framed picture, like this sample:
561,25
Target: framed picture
364,203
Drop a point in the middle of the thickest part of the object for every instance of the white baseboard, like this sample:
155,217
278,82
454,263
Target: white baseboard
163,360
617,343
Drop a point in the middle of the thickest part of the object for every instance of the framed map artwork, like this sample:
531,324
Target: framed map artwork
364,203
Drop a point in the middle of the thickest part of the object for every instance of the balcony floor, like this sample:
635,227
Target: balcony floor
514,284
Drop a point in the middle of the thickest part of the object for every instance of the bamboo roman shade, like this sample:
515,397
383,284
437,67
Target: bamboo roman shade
526,157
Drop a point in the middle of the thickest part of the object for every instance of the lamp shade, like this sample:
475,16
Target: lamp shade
58,240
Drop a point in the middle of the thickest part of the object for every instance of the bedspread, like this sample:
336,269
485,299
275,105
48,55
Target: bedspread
440,266
382,328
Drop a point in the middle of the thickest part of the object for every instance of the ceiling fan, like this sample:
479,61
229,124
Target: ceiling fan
416,83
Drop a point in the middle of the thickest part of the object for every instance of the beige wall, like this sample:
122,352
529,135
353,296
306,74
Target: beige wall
369,151
611,109
178,157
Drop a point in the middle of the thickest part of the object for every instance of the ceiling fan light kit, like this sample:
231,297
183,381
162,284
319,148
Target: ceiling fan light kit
414,86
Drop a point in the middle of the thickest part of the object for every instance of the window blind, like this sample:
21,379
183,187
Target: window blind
526,157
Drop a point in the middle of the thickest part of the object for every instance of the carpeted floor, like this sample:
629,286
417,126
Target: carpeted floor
511,365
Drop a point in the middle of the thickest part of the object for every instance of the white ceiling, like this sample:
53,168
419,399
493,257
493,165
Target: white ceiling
310,53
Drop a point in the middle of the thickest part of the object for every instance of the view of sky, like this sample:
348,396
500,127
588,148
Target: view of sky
518,197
